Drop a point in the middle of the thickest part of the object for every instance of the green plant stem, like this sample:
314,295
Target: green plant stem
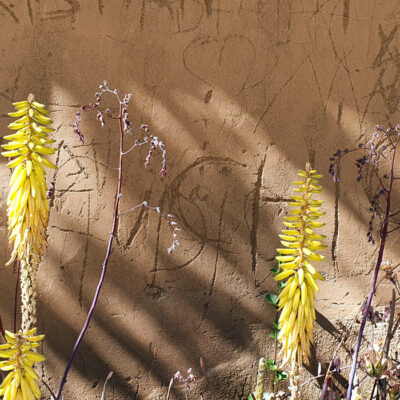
275,351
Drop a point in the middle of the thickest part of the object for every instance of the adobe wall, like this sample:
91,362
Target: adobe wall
243,93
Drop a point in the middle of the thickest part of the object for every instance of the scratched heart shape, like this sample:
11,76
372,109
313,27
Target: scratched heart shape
226,63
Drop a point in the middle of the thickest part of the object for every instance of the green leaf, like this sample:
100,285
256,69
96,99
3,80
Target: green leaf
273,335
271,364
275,324
281,285
280,376
275,271
272,299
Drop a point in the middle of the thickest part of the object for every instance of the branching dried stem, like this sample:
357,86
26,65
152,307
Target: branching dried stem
396,285
379,179
313,378
53,396
383,238
124,128
390,331
372,159
322,375
393,230
169,218
328,372
186,381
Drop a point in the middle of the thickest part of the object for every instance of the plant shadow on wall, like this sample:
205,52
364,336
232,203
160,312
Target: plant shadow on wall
122,117
28,217
154,143
199,231
169,324
243,337
374,371
238,337
199,235
209,226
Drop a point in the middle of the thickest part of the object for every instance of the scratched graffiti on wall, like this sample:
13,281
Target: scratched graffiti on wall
244,92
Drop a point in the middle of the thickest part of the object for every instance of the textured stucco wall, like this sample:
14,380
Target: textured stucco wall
243,93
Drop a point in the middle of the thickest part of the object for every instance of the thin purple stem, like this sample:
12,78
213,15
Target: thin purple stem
324,387
384,235
105,262
312,379
394,229
379,179
48,388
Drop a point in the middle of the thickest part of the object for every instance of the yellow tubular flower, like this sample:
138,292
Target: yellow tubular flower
296,300
28,209
20,383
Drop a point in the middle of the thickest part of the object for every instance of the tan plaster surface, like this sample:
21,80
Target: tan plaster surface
243,93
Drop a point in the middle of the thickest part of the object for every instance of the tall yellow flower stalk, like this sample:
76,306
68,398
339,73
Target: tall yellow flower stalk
296,300
28,209
28,214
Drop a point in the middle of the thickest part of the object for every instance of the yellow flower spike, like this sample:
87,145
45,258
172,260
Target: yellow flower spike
296,300
28,208
21,380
